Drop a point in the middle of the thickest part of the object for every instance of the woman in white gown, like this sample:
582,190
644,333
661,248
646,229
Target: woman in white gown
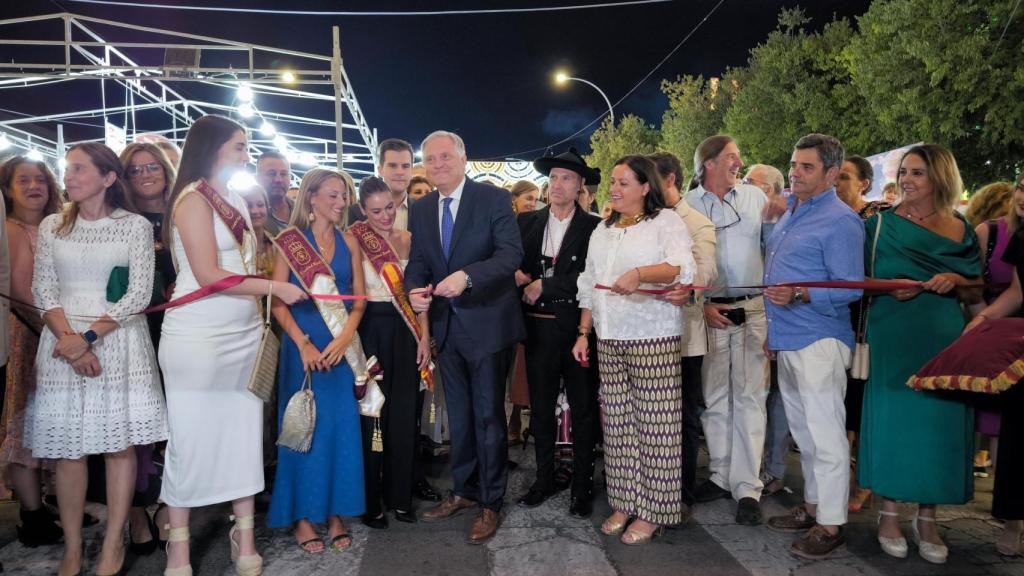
97,387
208,347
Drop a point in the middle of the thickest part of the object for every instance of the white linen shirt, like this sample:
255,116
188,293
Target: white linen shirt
739,234
612,252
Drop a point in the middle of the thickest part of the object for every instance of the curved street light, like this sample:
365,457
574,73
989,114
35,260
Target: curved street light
563,78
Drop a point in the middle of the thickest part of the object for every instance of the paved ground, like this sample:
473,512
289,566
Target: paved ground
545,540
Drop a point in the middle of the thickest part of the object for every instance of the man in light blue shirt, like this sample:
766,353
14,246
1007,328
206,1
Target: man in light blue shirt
735,369
818,239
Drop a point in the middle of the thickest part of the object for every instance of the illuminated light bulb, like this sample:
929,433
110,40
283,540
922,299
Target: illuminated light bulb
244,93
242,180
34,155
246,110
268,130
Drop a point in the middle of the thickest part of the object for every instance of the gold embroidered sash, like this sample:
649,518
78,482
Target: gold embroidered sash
385,262
317,278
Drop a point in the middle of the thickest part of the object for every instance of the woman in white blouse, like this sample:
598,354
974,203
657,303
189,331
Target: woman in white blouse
639,247
98,389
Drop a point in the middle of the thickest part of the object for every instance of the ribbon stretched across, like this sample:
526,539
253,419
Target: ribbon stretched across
883,285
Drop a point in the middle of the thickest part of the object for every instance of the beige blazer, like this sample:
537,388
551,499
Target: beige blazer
702,231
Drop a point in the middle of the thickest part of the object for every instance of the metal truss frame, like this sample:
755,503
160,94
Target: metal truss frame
88,56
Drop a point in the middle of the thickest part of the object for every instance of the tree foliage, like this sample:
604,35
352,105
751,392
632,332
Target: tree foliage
610,142
696,110
943,71
936,71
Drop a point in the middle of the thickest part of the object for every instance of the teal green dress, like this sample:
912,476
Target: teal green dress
915,446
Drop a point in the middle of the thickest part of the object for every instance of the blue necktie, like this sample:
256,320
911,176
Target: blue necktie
447,225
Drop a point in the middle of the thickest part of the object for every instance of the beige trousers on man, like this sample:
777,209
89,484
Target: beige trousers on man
813,385
735,375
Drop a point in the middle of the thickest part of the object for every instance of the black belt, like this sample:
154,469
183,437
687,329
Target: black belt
733,299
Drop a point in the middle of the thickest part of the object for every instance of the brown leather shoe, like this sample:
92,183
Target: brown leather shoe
797,520
484,527
818,543
451,506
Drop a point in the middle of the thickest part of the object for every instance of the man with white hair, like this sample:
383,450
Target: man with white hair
465,251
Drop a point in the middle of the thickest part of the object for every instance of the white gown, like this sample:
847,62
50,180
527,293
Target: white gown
207,351
69,416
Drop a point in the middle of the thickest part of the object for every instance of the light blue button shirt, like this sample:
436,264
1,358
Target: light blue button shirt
739,233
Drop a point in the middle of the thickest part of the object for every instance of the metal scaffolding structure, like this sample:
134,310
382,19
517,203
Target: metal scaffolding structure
88,59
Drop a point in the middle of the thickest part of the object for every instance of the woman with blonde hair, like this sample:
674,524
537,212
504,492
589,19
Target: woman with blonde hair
991,201
907,436
30,194
325,483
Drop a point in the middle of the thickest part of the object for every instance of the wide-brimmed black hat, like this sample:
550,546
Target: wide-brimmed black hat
570,160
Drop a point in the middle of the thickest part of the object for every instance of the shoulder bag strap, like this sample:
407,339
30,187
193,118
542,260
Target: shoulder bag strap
865,303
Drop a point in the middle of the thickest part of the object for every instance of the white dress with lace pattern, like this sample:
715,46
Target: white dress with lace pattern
69,416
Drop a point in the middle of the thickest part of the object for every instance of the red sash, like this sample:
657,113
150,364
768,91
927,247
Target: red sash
232,218
385,262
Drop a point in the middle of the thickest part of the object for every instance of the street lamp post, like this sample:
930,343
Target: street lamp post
562,78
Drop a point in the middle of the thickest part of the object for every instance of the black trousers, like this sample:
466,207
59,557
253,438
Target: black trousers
693,403
474,388
1007,499
549,361
389,474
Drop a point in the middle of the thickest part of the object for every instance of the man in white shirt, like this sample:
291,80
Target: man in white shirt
396,169
735,370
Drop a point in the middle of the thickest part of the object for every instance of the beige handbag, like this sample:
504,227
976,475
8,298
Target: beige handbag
299,419
261,381
860,366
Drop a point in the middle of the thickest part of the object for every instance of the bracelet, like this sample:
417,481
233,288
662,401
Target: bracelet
582,335
585,329
982,315
639,277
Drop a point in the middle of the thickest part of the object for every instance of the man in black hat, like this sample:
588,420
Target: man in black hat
555,242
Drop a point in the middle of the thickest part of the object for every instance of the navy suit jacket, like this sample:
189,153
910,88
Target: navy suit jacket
485,245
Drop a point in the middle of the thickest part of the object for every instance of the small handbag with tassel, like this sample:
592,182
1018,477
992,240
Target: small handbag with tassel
299,419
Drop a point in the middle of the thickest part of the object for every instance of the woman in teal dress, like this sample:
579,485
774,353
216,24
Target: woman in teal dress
916,446
326,483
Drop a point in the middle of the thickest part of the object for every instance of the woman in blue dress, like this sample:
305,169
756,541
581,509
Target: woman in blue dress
326,483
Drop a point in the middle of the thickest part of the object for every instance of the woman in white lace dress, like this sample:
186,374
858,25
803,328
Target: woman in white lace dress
208,348
97,389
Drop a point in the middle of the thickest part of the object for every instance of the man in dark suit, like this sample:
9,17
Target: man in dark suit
465,251
555,242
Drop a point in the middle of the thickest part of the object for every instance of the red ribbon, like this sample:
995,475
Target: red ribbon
882,285
221,285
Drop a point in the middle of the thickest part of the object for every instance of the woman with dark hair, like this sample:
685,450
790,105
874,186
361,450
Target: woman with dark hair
401,342
98,389
208,348
641,246
418,188
524,196
31,194
325,483
150,177
917,447
854,182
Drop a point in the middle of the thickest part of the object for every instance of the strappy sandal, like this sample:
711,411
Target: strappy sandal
336,542
177,535
637,538
308,547
252,564
610,528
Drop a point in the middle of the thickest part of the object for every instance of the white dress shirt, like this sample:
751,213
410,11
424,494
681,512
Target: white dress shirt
554,234
402,214
738,231
456,197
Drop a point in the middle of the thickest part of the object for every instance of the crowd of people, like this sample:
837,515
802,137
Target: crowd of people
679,313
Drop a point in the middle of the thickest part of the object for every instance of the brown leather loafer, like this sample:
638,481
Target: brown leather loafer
797,520
484,527
451,506
818,543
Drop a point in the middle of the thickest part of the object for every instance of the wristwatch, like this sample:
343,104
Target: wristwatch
798,295
90,337
469,282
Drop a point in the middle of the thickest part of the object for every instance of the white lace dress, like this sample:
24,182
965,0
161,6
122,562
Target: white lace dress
69,416
207,351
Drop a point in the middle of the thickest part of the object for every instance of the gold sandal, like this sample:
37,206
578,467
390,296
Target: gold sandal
610,528
637,538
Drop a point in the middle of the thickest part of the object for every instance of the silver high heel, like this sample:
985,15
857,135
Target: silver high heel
895,547
934,553
251,565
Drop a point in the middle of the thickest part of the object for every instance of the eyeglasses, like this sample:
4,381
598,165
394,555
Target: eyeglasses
152,168
709,209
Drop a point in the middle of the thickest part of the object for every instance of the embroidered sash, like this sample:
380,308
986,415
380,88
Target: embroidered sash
385,262
318,278
231,217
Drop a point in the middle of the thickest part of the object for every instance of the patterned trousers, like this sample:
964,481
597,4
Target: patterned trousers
642,401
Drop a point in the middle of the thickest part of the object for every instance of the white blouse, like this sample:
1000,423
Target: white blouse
613,251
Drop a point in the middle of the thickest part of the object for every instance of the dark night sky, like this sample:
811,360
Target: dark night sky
487,77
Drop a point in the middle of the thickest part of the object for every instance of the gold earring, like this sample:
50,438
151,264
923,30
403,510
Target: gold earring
312,216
